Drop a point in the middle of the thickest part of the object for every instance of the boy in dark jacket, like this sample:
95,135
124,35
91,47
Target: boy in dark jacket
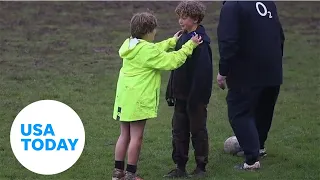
189,91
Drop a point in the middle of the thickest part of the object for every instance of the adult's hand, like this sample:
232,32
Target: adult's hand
221,81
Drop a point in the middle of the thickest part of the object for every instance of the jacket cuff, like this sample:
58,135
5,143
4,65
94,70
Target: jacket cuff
173,40
223,69
193,44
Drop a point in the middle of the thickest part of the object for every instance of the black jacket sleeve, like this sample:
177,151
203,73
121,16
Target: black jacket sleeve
201,87
169,93
228,35
282,38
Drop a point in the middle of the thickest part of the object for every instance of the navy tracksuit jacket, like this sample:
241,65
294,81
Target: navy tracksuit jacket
250,39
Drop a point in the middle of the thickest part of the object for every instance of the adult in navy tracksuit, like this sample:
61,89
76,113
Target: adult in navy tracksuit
189,90
251,40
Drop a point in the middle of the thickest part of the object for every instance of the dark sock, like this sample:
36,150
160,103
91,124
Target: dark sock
131,168
202,167
119,165
181,167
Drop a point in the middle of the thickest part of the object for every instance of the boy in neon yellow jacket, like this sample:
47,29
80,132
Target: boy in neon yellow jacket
138,87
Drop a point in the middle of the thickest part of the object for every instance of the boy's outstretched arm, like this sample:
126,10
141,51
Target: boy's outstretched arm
170,43
167,44
159,59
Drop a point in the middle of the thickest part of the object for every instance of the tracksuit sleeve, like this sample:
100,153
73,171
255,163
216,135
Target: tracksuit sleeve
159,59
282,39
167,44
228,35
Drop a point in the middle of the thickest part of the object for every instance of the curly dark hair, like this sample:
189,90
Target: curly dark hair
193,9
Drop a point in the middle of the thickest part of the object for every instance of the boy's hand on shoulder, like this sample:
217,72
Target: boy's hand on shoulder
177,35
197,39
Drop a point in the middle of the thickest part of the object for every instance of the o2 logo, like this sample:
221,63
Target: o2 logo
47,137
265,11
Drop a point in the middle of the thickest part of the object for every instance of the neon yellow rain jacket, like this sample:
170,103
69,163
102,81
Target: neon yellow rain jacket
138,87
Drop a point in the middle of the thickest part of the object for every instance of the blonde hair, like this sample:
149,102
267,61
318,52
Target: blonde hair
193,9
142,24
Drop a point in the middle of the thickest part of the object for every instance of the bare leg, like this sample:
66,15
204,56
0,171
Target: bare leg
136,134
120,151
123,142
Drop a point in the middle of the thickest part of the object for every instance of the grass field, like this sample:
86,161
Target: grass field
67,51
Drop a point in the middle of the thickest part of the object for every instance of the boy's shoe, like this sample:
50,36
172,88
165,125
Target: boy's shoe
197,173
131,176
248,167
118,174
176,173
262,153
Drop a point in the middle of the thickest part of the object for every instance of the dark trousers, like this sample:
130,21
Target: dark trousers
189,118
250,112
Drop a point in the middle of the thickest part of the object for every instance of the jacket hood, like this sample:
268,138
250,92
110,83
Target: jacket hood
202,32
130,48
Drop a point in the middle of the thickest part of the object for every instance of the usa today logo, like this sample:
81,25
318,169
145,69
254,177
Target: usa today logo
47,137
